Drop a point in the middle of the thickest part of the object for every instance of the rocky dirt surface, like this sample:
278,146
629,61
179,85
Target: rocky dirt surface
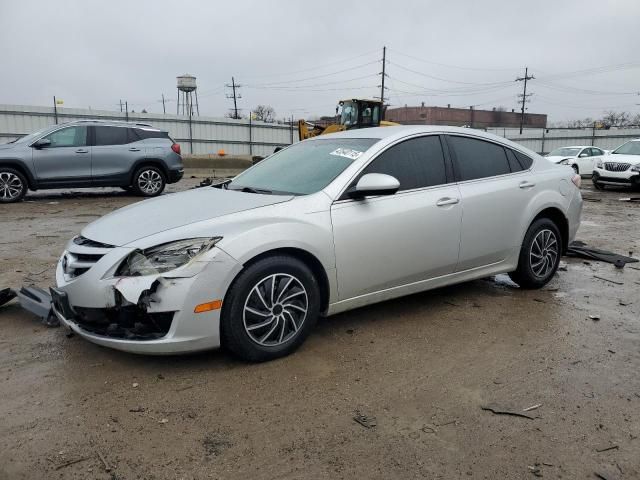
415,371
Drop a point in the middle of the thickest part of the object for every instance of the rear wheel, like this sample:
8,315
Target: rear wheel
270,309
13,185
149,181
539,255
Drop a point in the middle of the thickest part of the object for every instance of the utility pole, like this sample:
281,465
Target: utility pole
234,86
126,107
524,94
383,73
120,106
164,110
55,109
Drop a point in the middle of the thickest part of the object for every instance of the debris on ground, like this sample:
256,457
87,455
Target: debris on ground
535,469
365,420
107,468
595,318
38,302
608,280
606,449
581,250
6,295
532,407
71,462
137,409
505,411
629,199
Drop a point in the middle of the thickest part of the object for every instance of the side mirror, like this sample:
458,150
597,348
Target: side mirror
582,155
374,184
42,143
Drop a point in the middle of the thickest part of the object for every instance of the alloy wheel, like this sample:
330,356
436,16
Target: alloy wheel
543,253
149,182
275,309
10,186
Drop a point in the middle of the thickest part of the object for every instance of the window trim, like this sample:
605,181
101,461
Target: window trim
449,172
503,146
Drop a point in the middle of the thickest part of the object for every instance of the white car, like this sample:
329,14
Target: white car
323,226
581,158
620,168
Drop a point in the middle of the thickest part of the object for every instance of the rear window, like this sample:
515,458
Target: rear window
478,158
111,135
518,161
143,133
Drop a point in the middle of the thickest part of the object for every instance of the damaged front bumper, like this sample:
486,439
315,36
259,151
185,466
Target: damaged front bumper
151,314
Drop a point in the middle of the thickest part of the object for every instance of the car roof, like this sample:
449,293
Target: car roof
114,123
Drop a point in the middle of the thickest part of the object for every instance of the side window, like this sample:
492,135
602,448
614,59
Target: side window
68,137
596,151
142,133
518,161
478,158
586,152
416,163
111,135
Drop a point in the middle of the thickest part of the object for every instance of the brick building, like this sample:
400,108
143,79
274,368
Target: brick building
463,116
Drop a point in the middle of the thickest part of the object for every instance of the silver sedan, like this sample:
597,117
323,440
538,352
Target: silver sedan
323,226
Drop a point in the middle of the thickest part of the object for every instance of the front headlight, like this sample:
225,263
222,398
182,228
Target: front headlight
165,257
564,162
599,164
635,168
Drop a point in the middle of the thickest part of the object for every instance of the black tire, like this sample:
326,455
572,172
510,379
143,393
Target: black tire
240,329
529,274
149,181
13,185
597,185
128,189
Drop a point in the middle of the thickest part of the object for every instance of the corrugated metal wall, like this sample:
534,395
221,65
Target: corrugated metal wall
208,134
544,140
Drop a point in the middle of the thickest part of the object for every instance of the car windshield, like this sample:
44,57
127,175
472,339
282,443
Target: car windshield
629,148
303,168
31,136
349,114
564,152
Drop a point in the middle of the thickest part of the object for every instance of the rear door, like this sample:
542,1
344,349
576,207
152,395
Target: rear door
495,186
115,150
67,160
387,241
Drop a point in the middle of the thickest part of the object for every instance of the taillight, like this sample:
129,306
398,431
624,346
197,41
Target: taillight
577,181
176,148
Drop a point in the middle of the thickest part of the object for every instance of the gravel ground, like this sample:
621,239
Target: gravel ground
422,366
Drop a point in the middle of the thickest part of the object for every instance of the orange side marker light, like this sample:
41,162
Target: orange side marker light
207,307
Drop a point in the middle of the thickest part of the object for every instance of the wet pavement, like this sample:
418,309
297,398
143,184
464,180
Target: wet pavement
421,366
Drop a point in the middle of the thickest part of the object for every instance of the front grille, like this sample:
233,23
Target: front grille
82,255
616,167
129,323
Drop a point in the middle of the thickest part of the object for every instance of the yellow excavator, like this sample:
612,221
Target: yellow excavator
354,113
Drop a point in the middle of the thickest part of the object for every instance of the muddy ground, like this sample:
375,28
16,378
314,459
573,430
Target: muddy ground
423,366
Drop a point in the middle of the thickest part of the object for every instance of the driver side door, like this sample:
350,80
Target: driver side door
66,161
382,242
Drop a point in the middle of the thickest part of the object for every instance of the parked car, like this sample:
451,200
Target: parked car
581,158
90,153
323,226
620,168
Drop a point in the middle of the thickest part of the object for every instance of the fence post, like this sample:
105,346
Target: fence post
55,109
250,138
542,149
291,129
593,134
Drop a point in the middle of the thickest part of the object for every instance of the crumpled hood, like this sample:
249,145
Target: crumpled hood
156,215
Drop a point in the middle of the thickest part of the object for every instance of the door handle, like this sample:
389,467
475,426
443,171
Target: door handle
447,201
526,184
82,150
134,149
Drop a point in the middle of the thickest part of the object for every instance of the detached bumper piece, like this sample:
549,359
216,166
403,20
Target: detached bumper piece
6,295
38,302
127,323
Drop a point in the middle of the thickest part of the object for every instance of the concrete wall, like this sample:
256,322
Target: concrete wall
544,140
208,135
462,116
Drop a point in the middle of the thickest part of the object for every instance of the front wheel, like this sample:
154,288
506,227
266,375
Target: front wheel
149,181
13,185
539,255
270,309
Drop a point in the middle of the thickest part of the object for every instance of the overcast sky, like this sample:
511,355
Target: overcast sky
585,55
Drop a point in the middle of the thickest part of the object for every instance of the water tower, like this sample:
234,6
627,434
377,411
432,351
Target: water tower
186,91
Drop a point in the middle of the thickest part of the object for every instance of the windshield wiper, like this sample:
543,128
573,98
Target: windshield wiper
255,190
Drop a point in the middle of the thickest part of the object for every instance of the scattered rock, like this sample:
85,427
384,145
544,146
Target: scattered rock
365,420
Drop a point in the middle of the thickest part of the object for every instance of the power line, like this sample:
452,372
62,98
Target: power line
456,66
445,79
235,96
315,76
524,94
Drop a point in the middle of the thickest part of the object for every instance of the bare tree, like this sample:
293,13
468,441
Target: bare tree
615,119
264,113
231,114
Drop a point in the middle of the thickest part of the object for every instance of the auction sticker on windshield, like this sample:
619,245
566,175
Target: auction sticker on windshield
347,153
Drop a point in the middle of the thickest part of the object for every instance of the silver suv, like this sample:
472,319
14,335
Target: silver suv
90,153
